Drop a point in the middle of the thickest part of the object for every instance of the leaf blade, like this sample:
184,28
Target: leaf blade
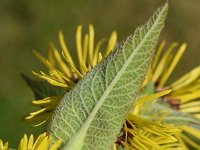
95,109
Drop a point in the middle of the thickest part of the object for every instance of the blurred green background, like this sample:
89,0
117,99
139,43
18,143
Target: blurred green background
30,24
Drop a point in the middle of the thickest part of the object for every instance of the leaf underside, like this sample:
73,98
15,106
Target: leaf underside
173,117
90,116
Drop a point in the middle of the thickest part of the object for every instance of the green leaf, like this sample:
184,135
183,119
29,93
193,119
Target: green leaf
121,148
42,89
149,89
181,118
90,116
174,117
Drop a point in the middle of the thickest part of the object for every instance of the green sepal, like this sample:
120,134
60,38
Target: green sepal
42,89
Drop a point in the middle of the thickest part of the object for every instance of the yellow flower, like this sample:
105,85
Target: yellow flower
41,143
187,93
138,132
186,90
3,146
143,133
47,106
162,67
62,70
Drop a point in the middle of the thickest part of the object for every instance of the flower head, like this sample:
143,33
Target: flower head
139,131
41,143
62,70
142,134
186,90
148,129
3,146
149,133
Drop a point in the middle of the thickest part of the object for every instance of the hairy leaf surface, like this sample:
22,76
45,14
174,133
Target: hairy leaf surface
90,116
173,117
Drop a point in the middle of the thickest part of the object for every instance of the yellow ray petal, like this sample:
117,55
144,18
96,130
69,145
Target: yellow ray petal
40,57
111,43
114,147
96,52
43,145
79,48
91,44
161,66
190,104
36,112
147,78
74,69
60,74
3,146
157,56
56,145
45,62
194,86
60,63
50,100
83,55
100,57
184,98
85,47
23,143
186,79
194,109
30,142
40,118
197,115
64,47
51,58
39,140
149,98
172,66
50,80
